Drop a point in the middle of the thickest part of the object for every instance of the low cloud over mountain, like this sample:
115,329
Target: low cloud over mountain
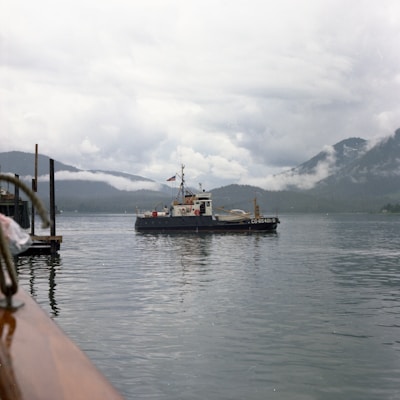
119,182
353,173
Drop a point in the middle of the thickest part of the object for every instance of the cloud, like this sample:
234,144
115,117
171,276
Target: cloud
293,178
86,147
239,90
120,183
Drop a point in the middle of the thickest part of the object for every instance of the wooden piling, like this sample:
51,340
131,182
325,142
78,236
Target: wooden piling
34,188
33,212
52,208
16,202
36,167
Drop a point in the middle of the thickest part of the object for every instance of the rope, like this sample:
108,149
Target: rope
10,289
7,289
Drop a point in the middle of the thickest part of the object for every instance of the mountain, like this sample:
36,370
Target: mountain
352,175
93,190
21,163
326,163
336,157
372,174
18,162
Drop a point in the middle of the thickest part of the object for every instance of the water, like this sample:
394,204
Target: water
312,312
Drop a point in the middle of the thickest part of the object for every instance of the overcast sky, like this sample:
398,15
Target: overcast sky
236,90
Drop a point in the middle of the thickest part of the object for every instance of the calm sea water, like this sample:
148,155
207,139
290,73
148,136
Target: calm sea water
312,312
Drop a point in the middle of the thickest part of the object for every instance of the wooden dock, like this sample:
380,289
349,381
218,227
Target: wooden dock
11,205
43,245
48,244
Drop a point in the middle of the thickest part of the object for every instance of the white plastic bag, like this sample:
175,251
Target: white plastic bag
18,239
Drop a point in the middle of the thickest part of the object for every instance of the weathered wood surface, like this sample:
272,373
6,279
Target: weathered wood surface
43,245
47,238
39,362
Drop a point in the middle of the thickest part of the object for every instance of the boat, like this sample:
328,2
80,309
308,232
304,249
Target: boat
193,212
37,360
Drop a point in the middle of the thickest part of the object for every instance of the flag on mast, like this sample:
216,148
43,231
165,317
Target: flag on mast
173,178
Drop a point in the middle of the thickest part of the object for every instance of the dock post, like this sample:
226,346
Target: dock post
16,201
34,188
36,167
33,212
52,209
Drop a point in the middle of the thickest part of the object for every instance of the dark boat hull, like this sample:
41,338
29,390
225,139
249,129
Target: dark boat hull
204,224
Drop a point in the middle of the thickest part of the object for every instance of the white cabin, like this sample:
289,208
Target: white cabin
193,205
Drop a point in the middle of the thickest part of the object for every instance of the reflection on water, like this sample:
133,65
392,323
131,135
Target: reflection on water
193,255
41,273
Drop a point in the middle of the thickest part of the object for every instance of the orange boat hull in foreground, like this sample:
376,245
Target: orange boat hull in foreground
39,362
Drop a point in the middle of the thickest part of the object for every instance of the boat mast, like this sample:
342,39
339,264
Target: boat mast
256,208
183,183
181,191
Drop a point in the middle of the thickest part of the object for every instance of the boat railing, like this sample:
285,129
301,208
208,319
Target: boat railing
151,214
8,276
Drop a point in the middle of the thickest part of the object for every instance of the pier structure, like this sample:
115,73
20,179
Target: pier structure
44,244
13,206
